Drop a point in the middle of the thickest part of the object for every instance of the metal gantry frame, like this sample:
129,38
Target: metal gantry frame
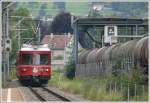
81,22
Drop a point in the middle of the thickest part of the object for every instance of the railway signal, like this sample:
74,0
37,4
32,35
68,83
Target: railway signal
8,44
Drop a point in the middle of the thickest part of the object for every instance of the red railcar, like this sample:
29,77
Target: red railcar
34,64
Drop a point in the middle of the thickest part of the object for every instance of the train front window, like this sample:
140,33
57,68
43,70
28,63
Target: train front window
26,59
43,59
40,59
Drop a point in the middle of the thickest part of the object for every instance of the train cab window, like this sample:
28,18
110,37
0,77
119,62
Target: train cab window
40,59
43,59
26,59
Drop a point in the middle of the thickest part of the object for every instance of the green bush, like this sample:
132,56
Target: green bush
112,86
13,74
97,89
70,69
59,57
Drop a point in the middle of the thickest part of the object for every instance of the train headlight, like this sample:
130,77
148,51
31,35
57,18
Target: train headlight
24,69
35,70
47,70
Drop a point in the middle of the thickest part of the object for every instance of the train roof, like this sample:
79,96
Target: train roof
29,47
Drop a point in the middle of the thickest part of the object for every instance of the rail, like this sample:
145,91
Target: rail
41,97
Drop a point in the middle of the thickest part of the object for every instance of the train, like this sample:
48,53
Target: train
33,64
131,54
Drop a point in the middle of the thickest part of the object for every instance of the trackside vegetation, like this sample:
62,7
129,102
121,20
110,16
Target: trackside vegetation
98,89
116,85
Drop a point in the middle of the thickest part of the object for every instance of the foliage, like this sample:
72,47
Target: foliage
130,9
95,13
128,79
59,57
13,73
42,11
28,24
111,9
62,23
96,89
115,85
70,69
131,75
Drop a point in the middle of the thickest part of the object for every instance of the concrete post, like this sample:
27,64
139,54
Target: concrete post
65,49
1,46
7,36
39,32
75,51
19,37
76,44
136,30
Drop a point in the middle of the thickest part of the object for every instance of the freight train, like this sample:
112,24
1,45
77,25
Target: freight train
34,64
133,53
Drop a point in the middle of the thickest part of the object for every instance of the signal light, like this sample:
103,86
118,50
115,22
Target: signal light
8,44
24,69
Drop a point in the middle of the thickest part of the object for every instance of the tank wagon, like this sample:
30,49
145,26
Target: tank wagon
130,54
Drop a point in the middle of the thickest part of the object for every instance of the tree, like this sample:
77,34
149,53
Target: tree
70,69
62,23
25,24
133,9
42,11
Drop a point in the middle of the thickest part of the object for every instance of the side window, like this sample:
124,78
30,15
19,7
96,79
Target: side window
26,59
44,59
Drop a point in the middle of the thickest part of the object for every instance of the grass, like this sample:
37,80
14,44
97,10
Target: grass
13,74
90,89
59,57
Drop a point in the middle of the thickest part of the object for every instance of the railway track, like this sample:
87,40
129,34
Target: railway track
45,94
